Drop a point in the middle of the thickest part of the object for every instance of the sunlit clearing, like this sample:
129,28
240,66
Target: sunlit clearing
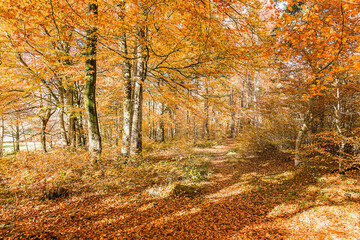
159,191
278,178
327,222
172,216
283,210
233,190
250,176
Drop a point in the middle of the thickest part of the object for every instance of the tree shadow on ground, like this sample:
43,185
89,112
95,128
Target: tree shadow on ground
238,203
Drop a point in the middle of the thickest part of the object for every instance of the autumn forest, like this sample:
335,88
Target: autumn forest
179,119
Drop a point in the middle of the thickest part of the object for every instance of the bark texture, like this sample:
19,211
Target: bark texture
95,146
127,89
140,76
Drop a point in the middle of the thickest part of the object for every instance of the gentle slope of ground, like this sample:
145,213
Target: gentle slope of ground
244,198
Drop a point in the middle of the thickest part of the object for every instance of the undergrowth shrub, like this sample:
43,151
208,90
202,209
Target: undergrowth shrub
233,150
43,175
329,149
306,174
266,139
183,190
151,146
190,168
197,170
54,193
59,174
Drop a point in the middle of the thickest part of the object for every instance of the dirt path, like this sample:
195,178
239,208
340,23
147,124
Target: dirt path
231,205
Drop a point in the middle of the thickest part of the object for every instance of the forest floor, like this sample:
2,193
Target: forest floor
245,197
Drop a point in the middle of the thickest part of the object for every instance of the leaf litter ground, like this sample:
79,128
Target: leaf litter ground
245,198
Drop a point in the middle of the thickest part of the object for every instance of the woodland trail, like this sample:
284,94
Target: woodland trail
234,203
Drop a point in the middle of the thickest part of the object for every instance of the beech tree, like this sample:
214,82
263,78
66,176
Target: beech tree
90,82
182,55
317,39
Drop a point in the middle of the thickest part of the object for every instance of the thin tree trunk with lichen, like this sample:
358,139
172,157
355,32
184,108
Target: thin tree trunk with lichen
95,146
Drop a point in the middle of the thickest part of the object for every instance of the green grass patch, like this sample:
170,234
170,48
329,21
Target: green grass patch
197,169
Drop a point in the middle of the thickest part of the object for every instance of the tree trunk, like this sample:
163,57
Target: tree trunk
17,137
337,116
80,135
62,113
127,108
25,139
43,135
188,122
2,136
140,74
127,87
206,130
173,124
76,104
140,120
81,131
95,146
304,128
242,100
72,119
117,129
250,90
298,143
136,120
232,113
149,120
195,133
160,136
45,117
153,129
